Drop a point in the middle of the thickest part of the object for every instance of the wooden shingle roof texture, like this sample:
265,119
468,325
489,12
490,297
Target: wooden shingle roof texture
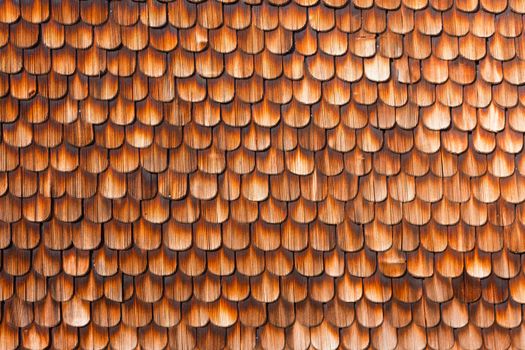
269,174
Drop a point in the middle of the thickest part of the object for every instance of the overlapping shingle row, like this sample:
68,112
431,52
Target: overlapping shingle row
272,174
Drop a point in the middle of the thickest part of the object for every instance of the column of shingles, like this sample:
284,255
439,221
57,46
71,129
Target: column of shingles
462,248
496,186
72,185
